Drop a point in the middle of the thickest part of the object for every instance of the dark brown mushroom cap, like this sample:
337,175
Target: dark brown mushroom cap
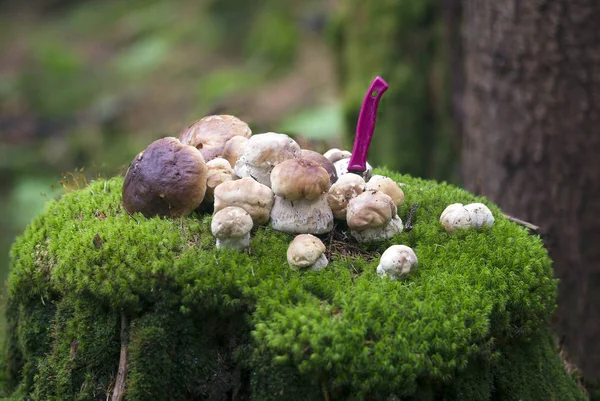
322,161
167,179
210,134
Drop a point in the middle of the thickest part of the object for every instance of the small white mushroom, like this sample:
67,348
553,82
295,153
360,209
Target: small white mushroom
373,215
219,171
307,252
262,153
481,215
253,197
396,261
388,187
341,167
231,226
454,217
346,187
300,206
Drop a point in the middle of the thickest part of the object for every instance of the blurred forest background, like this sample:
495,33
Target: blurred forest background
86,85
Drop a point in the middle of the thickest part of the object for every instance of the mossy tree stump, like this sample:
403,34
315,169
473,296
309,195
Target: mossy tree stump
90,282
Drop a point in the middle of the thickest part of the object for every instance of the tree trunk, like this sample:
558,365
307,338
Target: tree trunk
531,139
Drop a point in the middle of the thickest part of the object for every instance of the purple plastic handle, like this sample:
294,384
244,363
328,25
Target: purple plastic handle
366,125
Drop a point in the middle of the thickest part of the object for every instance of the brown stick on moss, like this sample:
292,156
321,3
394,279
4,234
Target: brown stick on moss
119,391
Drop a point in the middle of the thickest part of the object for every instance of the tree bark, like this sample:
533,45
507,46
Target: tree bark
531,139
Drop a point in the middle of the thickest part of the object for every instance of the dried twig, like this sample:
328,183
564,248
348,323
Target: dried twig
408,226
523,223
119,390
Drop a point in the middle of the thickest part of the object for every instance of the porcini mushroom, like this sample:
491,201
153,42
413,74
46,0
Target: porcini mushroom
300,206
373,215
396,261
481,215
166,179
262,153
387,186
210,134
252,196
234,148
231,226
347,187
335,154
322,161
307,252
219,171
454,217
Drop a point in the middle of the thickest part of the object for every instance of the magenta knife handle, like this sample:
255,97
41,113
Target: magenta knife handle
366,125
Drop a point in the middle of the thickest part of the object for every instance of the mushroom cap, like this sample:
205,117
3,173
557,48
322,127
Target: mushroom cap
396,261
346,187
234,148
369,210
387,186
322,161
210,134
262,153
386,231
166,179
481,215
254,197
302,216
305,250
295,179
335,154
341,167
455,216
231,222
219,171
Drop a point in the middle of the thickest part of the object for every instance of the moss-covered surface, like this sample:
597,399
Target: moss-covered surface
469,323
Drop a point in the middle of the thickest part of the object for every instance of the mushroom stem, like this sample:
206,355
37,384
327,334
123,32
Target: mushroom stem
239,244
366,125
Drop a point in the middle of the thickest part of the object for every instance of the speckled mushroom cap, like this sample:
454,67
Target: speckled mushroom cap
231,222
166,179
305,250
335,154
322,161
347,187
296,179
252,196
481,215
219,171
262,153
396,261
369,210
234,148
210,134
454,217
387,186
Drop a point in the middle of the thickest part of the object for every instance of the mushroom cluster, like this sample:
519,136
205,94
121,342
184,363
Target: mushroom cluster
459,217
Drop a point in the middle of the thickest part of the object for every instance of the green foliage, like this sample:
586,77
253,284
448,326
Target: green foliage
210,323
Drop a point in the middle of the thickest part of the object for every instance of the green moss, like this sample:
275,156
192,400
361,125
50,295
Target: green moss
204,323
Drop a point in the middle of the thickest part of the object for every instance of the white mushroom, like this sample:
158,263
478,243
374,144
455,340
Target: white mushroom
300,206
387,186
253,197
234,148
219,171
262,153
335,154
341,167
396,261
481,215
307,252
231,226
347,187
454,217
210,134
373,215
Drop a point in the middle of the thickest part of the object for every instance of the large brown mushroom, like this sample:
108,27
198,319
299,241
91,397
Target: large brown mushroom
322,161
166,179
210,134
